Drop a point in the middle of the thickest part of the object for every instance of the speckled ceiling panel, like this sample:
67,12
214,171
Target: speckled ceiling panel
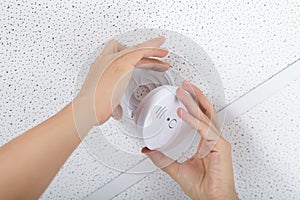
44,44
265,143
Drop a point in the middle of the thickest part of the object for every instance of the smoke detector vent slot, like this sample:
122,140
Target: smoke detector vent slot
160,112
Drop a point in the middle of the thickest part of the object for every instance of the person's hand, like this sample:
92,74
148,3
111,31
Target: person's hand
209,173
108,79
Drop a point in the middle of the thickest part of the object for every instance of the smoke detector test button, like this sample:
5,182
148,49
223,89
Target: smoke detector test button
172,123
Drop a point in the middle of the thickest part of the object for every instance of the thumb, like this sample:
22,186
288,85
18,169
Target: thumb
163,162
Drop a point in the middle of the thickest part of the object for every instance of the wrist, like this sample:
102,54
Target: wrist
230,196
227,194
83,115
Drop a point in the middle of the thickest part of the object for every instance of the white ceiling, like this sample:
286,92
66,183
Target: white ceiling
44,45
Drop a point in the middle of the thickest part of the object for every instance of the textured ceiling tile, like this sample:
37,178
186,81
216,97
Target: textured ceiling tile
44,44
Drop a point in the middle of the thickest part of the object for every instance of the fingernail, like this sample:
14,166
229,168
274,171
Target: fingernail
186,82
167,64
179,112
146,150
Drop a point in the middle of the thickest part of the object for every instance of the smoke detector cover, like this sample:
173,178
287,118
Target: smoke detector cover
157,120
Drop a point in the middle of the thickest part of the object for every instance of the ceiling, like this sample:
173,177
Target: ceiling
46,43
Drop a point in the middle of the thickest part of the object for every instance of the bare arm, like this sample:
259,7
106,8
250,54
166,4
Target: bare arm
29,162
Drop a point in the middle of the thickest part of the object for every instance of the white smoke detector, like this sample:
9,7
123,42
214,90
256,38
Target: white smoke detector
157,120
150,106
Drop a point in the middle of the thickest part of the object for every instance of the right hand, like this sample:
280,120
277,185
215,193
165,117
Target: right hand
209,173
108,78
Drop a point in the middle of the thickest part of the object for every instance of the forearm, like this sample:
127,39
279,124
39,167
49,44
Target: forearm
29,162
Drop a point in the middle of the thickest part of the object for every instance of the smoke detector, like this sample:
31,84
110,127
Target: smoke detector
150,105
157,120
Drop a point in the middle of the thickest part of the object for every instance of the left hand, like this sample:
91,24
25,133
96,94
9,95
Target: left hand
109,76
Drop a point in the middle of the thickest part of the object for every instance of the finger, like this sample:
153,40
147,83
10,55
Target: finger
205,105
155,42
194,108
117,113
151,52
189,103
153,64
145,61
220,145
203,149
162,161
113,46
206,129
131,57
